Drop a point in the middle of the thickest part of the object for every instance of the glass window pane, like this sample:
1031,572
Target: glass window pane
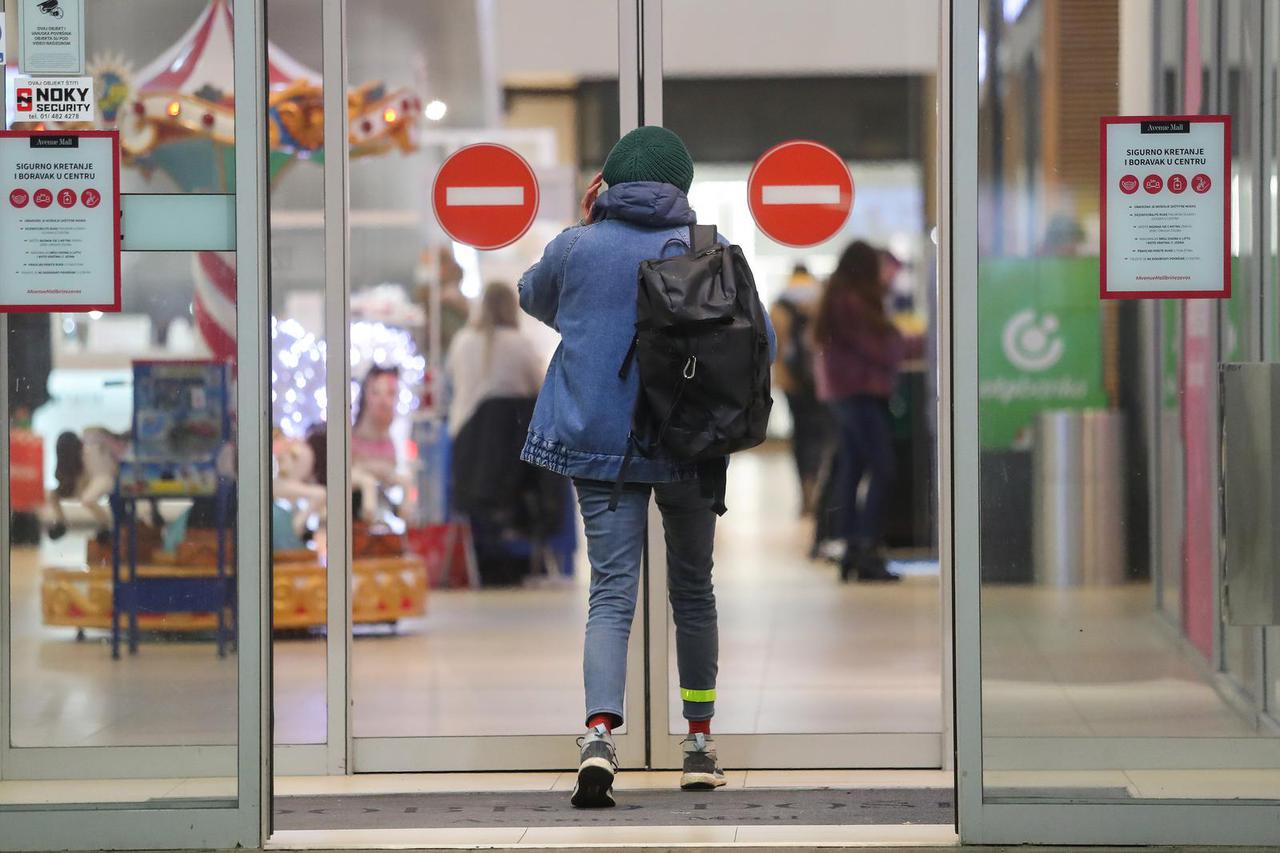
800,651
501,627
1108,670
146,395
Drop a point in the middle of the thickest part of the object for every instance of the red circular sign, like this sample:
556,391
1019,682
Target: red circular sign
67,198
1202,183
1129,184
42,198
1177,184
800,193
19,198
1153,184
90,198
485,196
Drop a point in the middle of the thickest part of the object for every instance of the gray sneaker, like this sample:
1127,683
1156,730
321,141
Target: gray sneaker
701,769
596,769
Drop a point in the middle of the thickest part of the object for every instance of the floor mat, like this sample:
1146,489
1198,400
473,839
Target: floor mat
635,808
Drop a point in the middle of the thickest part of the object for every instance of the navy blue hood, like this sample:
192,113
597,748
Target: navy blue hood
645,203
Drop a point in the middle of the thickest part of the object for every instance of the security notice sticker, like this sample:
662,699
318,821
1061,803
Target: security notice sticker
1166,207
54,99
59,221
52,36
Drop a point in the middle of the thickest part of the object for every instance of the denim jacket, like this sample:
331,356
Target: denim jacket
585,288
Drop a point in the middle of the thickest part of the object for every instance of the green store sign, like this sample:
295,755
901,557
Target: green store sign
1040,344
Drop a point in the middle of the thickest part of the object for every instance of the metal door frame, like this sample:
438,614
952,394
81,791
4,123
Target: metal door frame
242,821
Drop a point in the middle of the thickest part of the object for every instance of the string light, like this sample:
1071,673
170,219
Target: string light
298,359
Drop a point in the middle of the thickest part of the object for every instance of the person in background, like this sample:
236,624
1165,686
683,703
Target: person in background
890,268
439,265
1063,238
375,463
490,357
792,315
493,373
858,352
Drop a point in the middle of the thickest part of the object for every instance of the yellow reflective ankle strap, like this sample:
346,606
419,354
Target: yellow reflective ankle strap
697,695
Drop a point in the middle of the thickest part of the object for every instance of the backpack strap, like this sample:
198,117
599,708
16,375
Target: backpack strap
701,237
713,482
616,495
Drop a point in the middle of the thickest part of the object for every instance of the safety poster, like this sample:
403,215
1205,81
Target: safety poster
59,221
1166,207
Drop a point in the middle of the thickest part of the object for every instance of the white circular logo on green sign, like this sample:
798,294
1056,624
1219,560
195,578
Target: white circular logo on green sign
1032,344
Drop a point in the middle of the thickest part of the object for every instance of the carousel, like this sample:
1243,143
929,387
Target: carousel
176,119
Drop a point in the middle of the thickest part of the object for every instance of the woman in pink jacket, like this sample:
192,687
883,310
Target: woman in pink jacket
858,352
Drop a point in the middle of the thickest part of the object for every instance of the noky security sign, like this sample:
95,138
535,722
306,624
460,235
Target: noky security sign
54,99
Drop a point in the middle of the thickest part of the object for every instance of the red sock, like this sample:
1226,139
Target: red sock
605,720
700,727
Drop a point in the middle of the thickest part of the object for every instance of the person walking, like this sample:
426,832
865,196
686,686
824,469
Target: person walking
792,316
490,357
585,287
858,353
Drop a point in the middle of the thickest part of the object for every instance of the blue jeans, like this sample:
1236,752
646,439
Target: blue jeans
865,451
615,547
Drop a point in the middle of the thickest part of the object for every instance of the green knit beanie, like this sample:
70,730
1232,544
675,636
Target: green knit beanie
650,154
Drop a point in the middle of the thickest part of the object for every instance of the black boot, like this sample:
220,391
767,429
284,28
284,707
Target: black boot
873,569
865,562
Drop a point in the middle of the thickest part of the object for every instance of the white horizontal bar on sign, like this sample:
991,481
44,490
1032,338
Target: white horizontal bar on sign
801,194
484,196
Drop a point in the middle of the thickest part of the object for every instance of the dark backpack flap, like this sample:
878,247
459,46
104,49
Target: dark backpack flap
686,289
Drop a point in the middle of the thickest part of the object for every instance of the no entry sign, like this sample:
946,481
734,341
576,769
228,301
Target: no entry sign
485,196
801,193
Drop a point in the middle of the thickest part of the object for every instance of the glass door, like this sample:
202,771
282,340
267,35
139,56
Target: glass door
814,672
133,676
1120,690
464,644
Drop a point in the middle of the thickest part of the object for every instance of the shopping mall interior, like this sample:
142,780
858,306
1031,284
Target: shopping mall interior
421,660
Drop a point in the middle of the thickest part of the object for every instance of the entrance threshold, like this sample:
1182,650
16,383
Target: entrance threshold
531,810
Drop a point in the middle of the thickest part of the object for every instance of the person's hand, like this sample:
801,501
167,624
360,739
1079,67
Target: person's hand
593,192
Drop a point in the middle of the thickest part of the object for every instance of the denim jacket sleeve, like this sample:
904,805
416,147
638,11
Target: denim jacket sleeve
541,283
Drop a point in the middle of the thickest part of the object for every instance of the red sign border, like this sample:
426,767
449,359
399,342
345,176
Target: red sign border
1104,124
853,190
114,136
533,214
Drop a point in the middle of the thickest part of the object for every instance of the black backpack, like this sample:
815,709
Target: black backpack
702,348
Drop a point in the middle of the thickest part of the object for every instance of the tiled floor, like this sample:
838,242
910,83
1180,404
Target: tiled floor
800,653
